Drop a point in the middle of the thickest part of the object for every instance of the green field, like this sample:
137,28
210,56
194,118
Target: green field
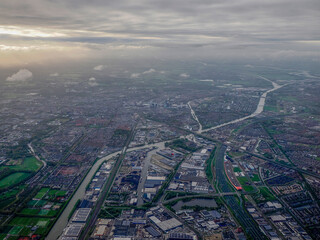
237,169
41,193
245,183
265,192
40,203
255,178
2,236
21,226
30,211
271,108
48,194
29,221
248,188
8,197
243,180
13,178
15,230
28,164
56,193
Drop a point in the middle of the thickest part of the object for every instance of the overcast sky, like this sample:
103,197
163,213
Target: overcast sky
39,30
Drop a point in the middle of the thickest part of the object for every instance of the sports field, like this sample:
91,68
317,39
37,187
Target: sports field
29,221
41,193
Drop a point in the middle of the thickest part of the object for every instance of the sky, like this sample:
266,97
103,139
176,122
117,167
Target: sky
44,31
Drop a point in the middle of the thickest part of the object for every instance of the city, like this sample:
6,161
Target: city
168,120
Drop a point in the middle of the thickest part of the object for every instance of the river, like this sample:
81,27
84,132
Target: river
258,110
62,221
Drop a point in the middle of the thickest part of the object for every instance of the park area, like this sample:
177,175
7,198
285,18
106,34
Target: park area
11,175
245,183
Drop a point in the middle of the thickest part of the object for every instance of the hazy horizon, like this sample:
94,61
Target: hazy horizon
64,32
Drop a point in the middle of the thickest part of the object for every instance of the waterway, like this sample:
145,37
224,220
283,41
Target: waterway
237,208
144,173
195,117
62,221
259,109
196,202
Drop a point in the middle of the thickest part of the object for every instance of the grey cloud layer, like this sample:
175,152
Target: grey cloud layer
171,23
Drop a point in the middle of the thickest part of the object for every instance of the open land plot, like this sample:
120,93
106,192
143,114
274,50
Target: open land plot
30,211
8,197
29,164
11,193
255,178
47,212
41,193
15,230
13,179
245,183
29,221
237,169
56,193
267,194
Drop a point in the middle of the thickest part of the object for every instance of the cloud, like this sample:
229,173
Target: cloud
21,76
184,75
198,28
99,67
151,70
54,74
93,84
135,75
249,66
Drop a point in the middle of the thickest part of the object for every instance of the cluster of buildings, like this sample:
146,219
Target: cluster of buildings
161,164
191,175
125,186
209,222
165,223
82,212
288,227
264,224
132,224
151,132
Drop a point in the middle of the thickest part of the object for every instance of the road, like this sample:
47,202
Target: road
201,195
144,174
36,156
115,169
195,117
249,225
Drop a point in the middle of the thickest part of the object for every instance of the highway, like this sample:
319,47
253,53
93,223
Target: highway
249,225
